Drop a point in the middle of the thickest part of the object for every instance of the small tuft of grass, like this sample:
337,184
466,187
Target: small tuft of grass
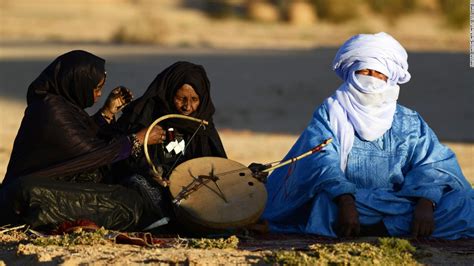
145,29
292,258
208,243
389,251
13,235
218,9
336,11
396,245
76,238
456,12
392,9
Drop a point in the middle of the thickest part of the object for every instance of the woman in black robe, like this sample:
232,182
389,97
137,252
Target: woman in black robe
182,88
61,155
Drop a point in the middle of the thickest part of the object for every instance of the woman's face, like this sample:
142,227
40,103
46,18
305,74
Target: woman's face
373,73
98,90
186,100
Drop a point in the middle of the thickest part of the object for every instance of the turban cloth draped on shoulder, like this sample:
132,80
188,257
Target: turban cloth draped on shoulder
158,100
380,52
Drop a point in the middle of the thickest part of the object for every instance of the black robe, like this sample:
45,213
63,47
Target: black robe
57,137
158,101
57,142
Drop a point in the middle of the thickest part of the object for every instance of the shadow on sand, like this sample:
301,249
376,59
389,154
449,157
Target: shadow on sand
277,91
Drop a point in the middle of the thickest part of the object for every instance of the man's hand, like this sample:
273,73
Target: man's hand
348,220
117,100
423,221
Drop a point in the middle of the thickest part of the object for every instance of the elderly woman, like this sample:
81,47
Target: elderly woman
386,173
182,88
62,155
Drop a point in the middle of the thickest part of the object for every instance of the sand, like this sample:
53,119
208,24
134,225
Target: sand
242,146
69,23
175,23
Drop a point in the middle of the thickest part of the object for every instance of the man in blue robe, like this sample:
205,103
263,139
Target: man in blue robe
385,173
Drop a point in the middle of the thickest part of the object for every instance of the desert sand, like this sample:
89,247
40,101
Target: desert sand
32,33
242,146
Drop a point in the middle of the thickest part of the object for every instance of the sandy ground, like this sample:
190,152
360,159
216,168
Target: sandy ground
176,23
114,254
241,146
263,90
168,24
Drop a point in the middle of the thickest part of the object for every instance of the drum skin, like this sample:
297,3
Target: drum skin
216,193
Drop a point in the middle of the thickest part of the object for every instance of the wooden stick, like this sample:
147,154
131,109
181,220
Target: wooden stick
13,229
294,159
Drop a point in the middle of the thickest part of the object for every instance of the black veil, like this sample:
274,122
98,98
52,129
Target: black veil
157,101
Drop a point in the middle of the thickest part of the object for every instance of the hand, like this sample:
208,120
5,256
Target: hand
257,169
423,221
348,220
157,135
117,100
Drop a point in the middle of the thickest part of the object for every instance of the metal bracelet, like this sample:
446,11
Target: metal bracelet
136,146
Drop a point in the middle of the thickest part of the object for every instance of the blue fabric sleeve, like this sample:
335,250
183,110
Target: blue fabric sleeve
433,168
331,178
291,188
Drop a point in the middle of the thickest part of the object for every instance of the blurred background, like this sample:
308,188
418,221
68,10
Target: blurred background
279,24
269,61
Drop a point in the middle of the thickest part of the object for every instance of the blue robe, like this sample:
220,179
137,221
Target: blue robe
386,176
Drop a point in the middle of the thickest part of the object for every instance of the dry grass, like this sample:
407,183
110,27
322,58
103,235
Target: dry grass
388,251
238,144
167,23
96,246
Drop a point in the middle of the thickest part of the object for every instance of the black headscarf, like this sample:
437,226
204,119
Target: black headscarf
73,76
158,101
57,137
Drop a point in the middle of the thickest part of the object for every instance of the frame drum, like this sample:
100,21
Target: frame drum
216,193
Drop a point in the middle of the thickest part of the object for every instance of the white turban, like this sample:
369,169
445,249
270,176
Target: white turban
347,113
379,52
